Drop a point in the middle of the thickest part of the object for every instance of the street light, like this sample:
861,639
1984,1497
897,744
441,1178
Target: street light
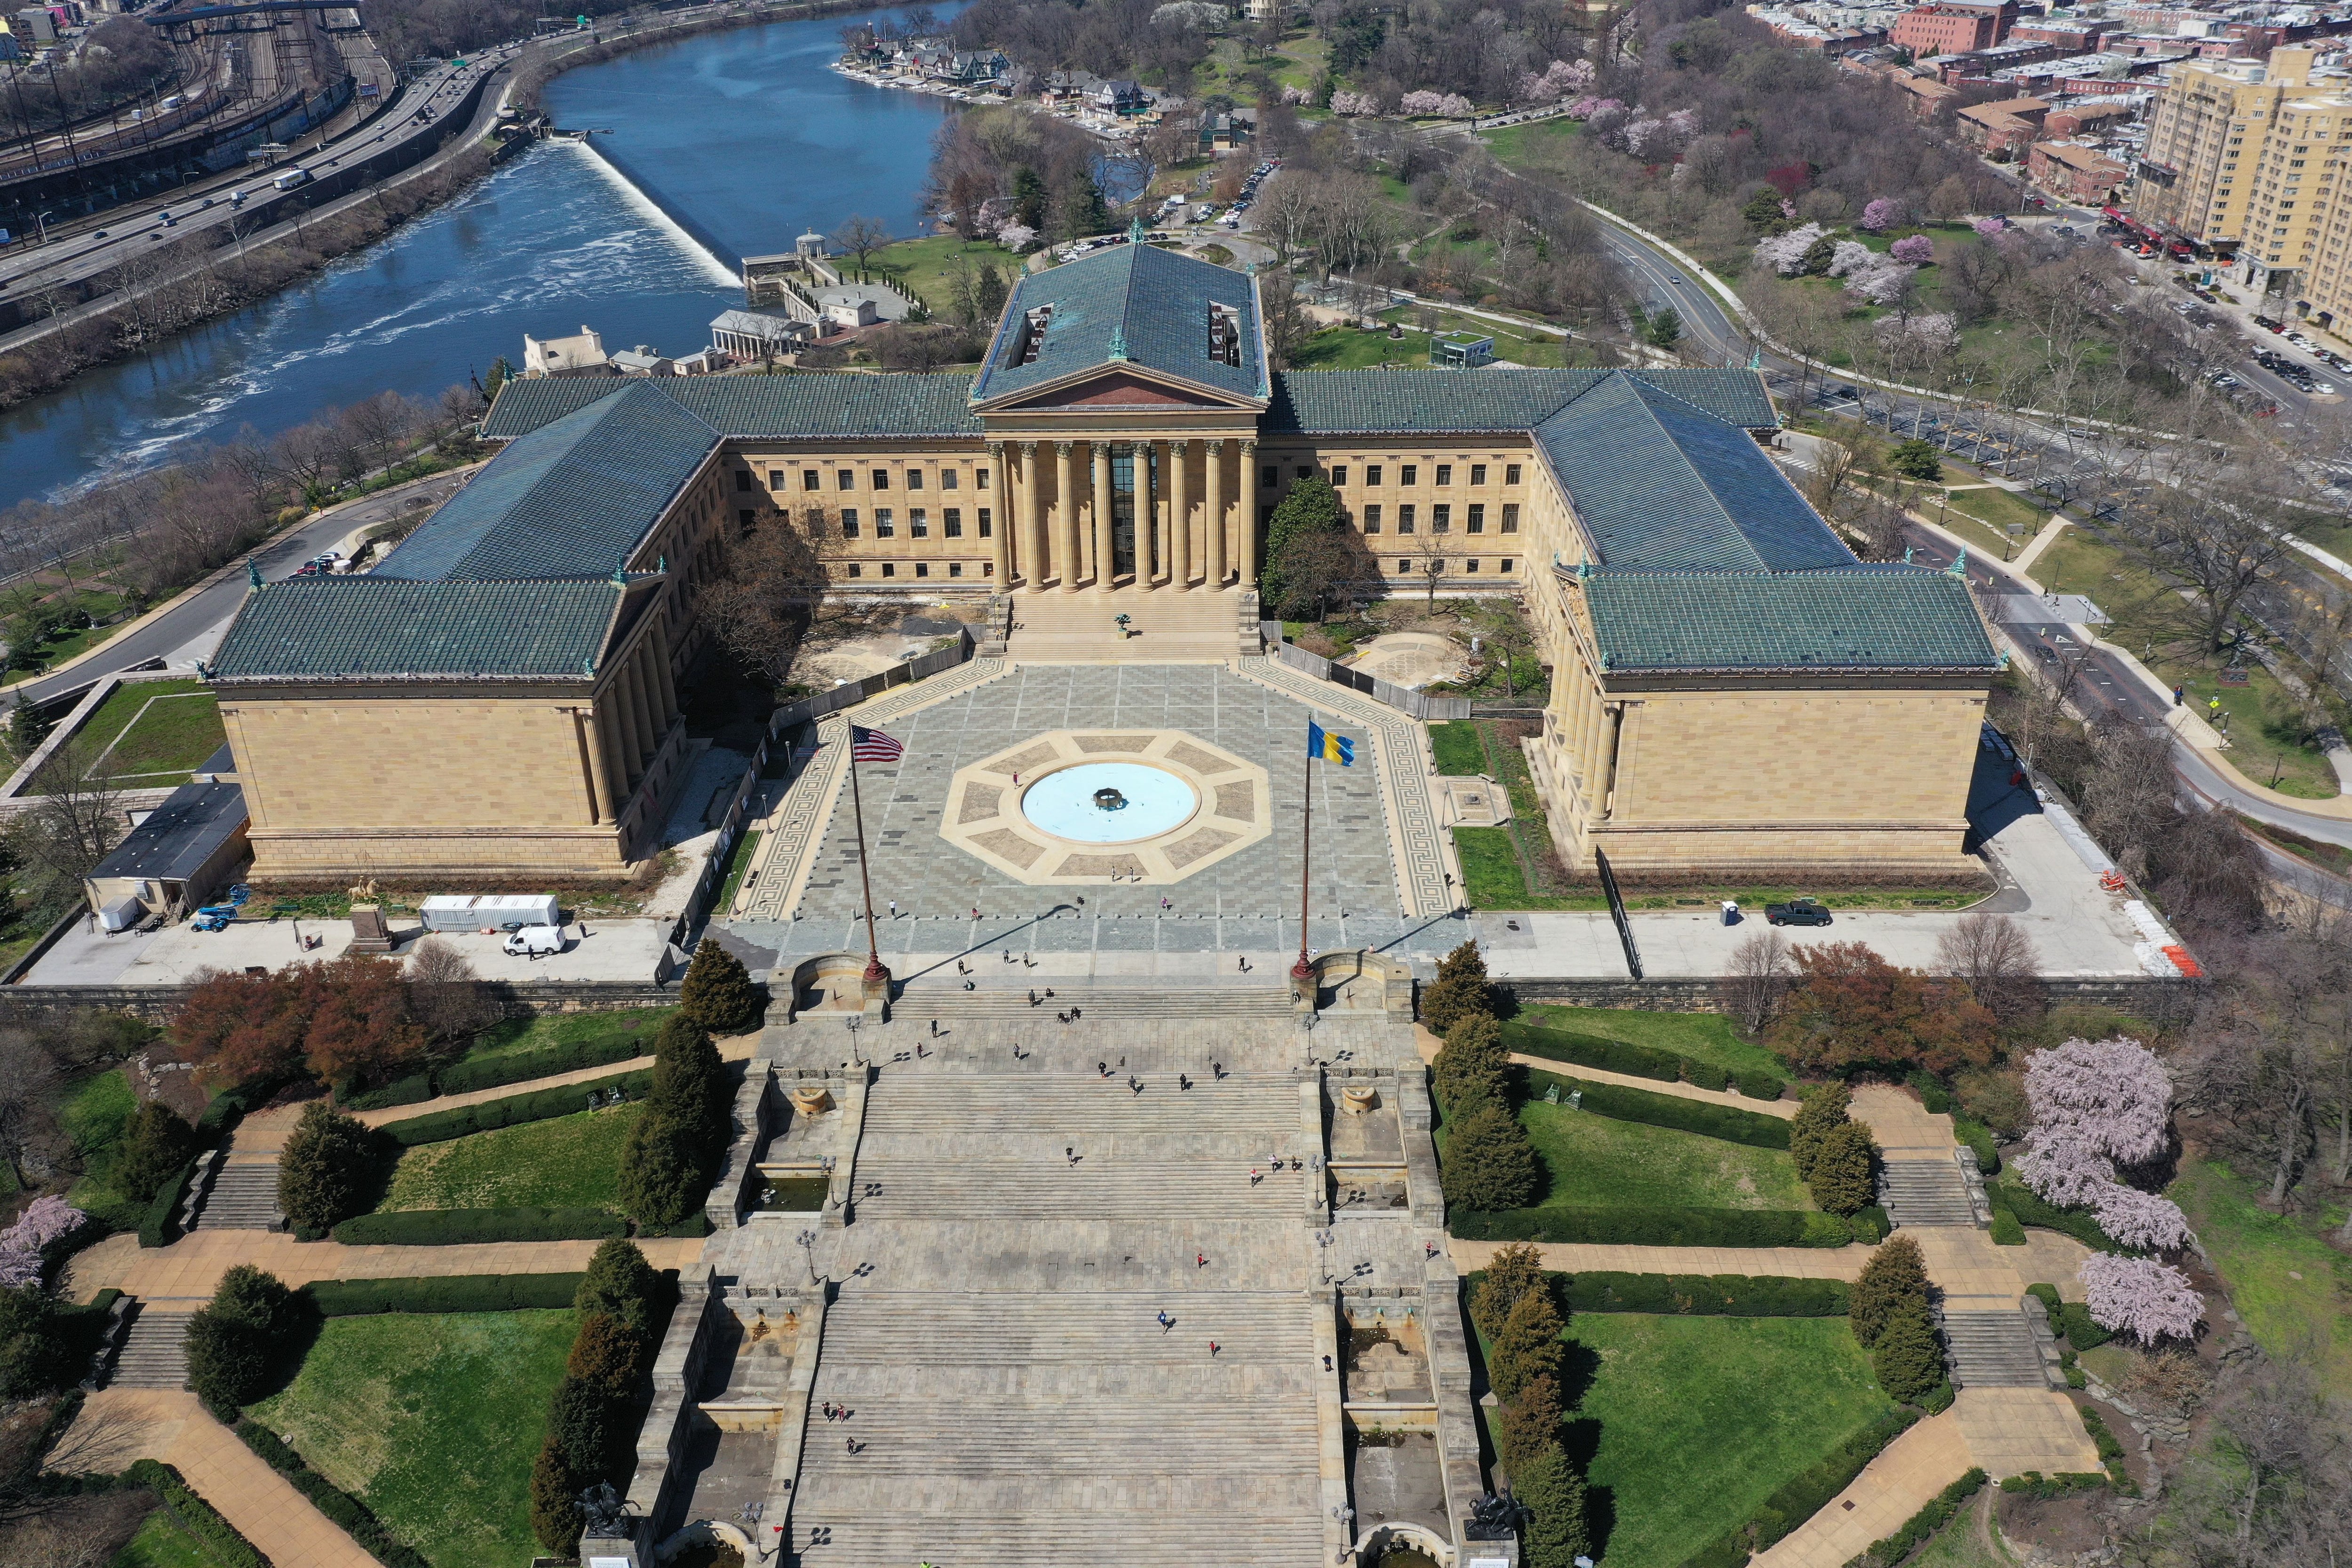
807,1239
1323,1240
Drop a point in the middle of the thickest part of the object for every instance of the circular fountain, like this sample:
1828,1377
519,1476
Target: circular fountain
1109,803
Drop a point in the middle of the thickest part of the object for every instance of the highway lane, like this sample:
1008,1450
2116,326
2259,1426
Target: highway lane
1662,281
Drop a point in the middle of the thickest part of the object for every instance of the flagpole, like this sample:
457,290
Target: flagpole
1300,971
873,970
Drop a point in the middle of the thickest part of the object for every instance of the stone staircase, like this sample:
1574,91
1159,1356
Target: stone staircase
156,1352
243,1197
1063,1429
1196,999
1195,627
1255,1111
1098,1187
1927,1192
1992,1348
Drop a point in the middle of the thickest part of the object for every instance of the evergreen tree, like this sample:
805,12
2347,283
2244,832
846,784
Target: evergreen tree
1511,1273
1825,1107
554,1504
718,993
1895,1276
1841,1179
662,1181
1529,1424
1489,1163
1029,197
1763,209
691,1084
1559,1531
326,1169
1290,580
1526,1347
607,1356
1908,1361
1819,255
1459,990
155,1145
1472,1065
990,293
27,728
620,1284
234,1340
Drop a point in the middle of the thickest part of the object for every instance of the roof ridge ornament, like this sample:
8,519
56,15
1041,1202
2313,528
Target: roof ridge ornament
621,576
1118,350
1960,566
1135,230
253,571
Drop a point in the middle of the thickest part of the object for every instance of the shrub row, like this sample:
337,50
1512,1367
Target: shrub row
2033,1483
2111,1451
537,1105
222,1542
1727,1122
456,1227
1803,1495
331,1500
407,1091
1705,1295
1921,1525
1633,1227
2005,1230
1933,1097
1980,1142
693,1226
449,1293
160,1225
228,1107
1634,1061
541,1061
2079,1224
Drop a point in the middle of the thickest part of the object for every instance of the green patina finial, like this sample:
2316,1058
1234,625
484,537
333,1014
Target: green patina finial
1134,231
1960,563
253,571
620,576
1119,344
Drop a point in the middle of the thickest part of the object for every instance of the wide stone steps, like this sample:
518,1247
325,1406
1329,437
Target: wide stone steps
1054,1189
1993,1350
243,1197
1190,626
971,1107
154,1353
928,1329
1215,1538
1925,1193
937,1001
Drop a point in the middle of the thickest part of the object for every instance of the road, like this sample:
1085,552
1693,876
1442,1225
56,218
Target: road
1663,281
198,612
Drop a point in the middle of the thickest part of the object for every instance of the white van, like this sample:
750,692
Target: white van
534,942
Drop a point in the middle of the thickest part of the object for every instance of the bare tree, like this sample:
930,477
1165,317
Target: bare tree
2217,530
29,1087
445,993
1757,982
861,236
75,821
764,598
1995,958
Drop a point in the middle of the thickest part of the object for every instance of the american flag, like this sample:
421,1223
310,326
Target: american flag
873,746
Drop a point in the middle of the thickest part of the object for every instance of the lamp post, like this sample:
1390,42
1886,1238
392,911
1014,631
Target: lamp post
808,1240
1323,1240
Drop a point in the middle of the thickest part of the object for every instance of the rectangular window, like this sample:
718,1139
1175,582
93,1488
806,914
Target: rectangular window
1410,474
1403,566
784,514
952,523
1440,520
1506,563
881,478
914,479
1511,517
1305,470
1478,523
1269,476
1404,519
1510,473
979,478
743,518
918,524
888,570
1372,473
1371,520
775,478
946,478
811,480
922,568
846,480
988,568
1444,473
883,526
742,478
1340,477
1471,567
1478,473
856,570
849,523
955,568
983,522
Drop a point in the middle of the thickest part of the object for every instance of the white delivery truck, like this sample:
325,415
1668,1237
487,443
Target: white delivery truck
291,178
534,942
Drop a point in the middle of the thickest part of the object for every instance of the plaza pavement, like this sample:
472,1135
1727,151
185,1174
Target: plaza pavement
190,1268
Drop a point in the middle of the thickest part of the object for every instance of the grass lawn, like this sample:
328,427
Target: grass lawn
566,1161
922,267
1964,1542
434,1421
161,1543
1352,348
154,732
2292,1289
1597,1162
1524,344
738,865
1708,1037
1457,749
94,1113
1999,508
1698,1420
559,1028
1515,144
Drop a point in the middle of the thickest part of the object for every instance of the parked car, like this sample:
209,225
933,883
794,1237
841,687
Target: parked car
1797,912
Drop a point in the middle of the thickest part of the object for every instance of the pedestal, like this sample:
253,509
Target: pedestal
811,1100
369,931
634,1550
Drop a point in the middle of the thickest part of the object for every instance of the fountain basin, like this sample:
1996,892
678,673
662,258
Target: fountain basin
1109,803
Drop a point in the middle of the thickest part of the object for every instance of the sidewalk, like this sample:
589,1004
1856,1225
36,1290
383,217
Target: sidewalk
191,1267
1890,1489
1578,1258
737,1048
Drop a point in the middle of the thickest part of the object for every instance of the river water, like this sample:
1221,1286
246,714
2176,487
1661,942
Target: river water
744,135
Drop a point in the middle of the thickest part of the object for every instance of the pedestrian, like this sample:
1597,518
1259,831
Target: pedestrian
1049,994
1032,996
1200,1260
1061,1018
1183,1082
852,1441
1103,1068
1166,905
935,1029
1122,1061
1218,1068
2180,697
1242,962
1254,1177
1428,1249
1070,1152
1166,1322
1082,900
1213,1347
1136,1084
1326,1363
975,911
894,909
1076,1013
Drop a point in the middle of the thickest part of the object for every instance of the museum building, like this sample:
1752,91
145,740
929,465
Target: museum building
1732,690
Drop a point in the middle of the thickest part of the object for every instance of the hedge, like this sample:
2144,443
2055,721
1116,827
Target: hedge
537,1105
161,1226
1728,1552
457,1227
542,1061
1923,1524
692,1226
407,1091
2028,1208
447,1293
1634,1061
1809,1492
1727,1122
1704,1295
1980,1142
222,1542
1933,1096
2006,1231
1657,1226
228,1107
2111,1452
2033,1483
337,1504
1871,1225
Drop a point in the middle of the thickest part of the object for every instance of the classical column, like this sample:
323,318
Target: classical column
1066,520
1105,553
641,686
663,679
625,754
1149,556
1212,514
1248,504
602,806
1033,529
1180,515
1000,532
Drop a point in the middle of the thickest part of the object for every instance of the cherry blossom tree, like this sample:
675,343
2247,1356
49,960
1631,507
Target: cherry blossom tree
2140,1296
1881,284
1447,105
1016,236
1881,215
1560,79
2144,1221
1354,103
45,1220
1914,250
1586,108
2112,1093
1850,256
1989,227
1785,252
1297,95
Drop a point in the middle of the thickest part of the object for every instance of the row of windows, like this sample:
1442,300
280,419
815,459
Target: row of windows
1441,518
846,479
885,523
1504,567
955,568
1270,475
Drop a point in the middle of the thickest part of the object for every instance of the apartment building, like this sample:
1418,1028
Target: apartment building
2205,135
1954,26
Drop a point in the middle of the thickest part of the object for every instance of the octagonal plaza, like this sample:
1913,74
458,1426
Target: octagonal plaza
946,834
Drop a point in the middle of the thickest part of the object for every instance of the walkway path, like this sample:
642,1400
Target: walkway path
1783,1109
1890,1489
735,1049
191,1267
1573,1258
175,1427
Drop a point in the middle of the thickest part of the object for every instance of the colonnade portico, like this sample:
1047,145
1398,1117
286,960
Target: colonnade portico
1187,528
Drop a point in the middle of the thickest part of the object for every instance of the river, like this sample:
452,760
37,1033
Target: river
744,134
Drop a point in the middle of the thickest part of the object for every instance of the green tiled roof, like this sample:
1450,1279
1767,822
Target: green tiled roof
1859,617
1151,305
1659,484
1399,401
847,403
374,627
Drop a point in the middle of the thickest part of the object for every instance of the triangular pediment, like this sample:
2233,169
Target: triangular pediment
1119,387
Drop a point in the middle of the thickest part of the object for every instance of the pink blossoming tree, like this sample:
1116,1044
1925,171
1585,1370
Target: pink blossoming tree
1881,215
1913,250
45,1220
2140,1296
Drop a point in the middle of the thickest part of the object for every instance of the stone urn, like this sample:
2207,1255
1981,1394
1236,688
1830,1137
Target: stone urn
811,1100
1358,1099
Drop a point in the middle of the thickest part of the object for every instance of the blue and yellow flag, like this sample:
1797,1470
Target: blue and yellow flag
1325,747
